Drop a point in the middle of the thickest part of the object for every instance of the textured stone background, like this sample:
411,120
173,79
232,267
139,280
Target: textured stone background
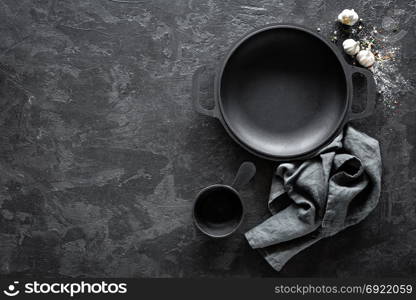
101,152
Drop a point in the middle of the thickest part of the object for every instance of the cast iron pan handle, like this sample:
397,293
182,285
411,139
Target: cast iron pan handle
371,94
245,173
195,95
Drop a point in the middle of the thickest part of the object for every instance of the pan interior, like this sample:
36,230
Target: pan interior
283,92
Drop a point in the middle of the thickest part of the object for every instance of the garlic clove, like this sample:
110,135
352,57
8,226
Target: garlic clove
348,17
366,58
351,47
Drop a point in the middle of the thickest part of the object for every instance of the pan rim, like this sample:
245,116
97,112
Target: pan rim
331,135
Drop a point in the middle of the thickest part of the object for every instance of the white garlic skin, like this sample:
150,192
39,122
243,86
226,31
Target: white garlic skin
351,47
366,58
348,17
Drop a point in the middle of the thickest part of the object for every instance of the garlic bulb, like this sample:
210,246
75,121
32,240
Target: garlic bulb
351,47
348,17
366,58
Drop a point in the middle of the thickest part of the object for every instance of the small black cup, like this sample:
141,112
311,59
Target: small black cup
218,209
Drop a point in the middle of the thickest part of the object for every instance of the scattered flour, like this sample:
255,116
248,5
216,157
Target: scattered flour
391,84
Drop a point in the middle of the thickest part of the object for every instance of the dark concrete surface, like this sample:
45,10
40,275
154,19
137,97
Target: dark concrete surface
102,153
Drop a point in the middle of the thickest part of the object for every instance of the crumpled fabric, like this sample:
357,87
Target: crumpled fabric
317,198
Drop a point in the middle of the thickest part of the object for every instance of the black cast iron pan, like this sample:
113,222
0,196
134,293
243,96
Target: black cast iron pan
283,92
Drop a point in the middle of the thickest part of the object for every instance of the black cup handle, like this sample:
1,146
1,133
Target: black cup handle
371,94
245,173
196,82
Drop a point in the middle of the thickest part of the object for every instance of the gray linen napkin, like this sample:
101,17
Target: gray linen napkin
319,197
